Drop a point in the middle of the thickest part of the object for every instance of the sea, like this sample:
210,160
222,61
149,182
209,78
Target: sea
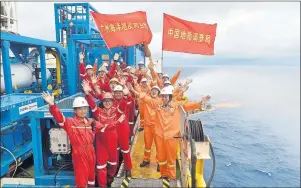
255,125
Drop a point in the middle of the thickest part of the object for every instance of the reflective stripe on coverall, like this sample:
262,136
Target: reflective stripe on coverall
167,125
149,132
81,138
106,143
123,132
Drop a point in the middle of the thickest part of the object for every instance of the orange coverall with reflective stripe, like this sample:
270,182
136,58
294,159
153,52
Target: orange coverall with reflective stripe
167,125
140,103
149,123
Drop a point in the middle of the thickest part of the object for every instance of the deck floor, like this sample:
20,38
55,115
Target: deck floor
137,156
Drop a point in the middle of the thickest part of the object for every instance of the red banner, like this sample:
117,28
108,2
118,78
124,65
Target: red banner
123,29
188,37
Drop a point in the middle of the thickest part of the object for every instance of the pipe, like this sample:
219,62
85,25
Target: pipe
21,75
58,65
200,182
56,92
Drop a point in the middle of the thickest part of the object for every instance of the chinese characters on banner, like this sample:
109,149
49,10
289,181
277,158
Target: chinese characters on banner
188,37
123,29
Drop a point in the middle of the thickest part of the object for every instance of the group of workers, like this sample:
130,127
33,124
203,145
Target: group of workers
120,89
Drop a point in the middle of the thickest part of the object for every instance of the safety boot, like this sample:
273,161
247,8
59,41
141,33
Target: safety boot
144,164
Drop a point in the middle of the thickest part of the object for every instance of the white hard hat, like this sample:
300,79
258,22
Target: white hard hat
165,75
140,63
105,64
167,82
128,67
118,64
116,56
172,88
143,80
166,91
79,102
156,87
103,69
89,67
118,88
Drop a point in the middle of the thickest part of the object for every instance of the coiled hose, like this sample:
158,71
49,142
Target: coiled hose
197,134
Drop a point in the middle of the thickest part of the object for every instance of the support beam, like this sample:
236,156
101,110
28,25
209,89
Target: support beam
42,51
6,67
71,67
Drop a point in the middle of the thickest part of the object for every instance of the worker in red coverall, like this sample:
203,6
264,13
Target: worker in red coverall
103,81
123,130
86,73
106,140
131,103
80,131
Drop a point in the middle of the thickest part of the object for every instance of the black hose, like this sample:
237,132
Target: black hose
29,175
61,168
213,166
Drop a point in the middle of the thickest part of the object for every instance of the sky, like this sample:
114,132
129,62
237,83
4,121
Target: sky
268,31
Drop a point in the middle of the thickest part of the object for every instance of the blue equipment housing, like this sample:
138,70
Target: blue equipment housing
17,102
15,128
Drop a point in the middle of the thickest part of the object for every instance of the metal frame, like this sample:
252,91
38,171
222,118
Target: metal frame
14,123
21,44
74,26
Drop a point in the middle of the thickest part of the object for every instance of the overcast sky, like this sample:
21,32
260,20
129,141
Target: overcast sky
245,29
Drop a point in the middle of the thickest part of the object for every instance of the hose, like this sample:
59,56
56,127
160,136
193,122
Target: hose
61,168
213,165
29,175
14,159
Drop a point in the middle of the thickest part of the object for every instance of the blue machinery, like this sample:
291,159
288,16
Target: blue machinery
26,75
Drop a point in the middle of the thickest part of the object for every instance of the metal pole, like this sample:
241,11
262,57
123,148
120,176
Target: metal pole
6,67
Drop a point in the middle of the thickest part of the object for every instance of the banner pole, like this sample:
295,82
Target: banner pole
162,61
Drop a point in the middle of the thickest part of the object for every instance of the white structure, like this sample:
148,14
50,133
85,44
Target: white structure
9,21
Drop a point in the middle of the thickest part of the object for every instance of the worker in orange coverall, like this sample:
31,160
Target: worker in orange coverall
80,131
106,140
167,126
149,124
142,87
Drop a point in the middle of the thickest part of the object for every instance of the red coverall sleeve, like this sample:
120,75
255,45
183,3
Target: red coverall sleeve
131,109
57,115
93,106
82,71
98,126
112,70
122,105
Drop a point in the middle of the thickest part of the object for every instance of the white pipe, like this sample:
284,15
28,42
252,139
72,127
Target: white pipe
22,75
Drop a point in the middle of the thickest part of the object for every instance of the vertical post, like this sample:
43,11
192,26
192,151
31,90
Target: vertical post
71,69
35,146
6,67
42,51
162,62
56,18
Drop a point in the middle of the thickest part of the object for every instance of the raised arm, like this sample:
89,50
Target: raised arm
190,106
53,109
176,76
